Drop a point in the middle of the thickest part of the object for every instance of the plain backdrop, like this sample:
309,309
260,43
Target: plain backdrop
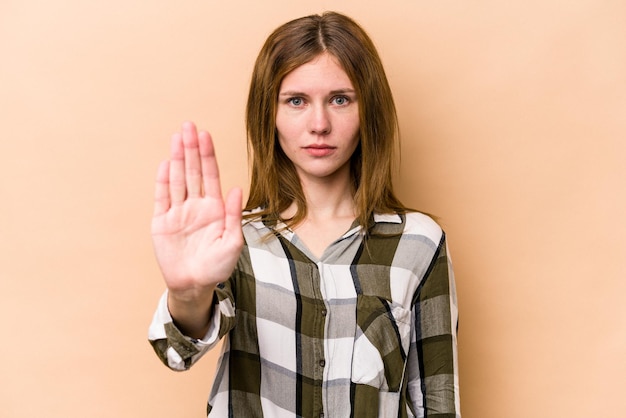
513,121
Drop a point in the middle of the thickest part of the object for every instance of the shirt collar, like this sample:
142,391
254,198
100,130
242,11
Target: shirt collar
388,218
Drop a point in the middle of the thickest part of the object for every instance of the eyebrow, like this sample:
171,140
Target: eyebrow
299,93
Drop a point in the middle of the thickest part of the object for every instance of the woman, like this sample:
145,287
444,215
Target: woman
333,298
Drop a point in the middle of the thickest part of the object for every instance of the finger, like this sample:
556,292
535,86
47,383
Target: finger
178,189
162,189
210,170
193,178
232,222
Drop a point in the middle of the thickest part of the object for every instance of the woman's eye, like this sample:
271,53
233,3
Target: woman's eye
341,100
296,101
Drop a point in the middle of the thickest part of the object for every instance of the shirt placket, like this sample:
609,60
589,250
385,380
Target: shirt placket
318,350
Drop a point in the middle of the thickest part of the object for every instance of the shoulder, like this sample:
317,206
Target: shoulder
408,226
417,223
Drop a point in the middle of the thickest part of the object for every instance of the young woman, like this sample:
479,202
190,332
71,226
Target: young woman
333,299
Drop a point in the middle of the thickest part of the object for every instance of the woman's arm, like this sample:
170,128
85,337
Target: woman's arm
196,233
432,366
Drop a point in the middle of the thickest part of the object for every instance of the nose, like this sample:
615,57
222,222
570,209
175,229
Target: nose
319,120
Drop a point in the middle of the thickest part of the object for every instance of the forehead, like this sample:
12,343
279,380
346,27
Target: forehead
322,72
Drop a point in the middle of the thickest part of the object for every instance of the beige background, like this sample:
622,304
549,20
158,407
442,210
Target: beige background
513,117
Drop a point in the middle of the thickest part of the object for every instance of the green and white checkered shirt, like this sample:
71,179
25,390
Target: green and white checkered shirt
367,330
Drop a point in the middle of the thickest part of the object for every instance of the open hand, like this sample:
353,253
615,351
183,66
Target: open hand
196,233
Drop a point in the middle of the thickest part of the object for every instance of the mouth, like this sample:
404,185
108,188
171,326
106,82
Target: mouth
319,150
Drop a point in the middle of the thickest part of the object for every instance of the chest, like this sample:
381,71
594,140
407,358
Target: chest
317,237
334,319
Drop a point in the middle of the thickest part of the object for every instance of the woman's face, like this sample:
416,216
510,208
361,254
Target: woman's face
317,119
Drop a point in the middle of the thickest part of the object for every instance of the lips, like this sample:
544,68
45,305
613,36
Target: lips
319,150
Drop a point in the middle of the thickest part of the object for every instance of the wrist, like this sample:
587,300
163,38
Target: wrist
191,311
197,295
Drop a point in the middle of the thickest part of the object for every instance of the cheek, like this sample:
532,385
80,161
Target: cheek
286,143
279,121
280,131
356,132
285,128
355,144
280,141
354,123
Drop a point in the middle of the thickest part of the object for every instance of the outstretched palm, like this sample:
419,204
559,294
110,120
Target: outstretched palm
196,234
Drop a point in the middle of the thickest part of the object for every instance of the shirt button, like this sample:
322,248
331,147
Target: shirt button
322,363
321,415
324,312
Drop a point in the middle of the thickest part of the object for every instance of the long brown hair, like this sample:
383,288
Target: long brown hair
274,183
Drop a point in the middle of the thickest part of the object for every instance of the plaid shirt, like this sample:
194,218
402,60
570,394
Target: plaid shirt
367,330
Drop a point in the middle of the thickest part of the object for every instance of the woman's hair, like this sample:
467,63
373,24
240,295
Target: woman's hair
274,182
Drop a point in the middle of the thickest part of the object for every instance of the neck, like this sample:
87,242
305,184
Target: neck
330,212
326,199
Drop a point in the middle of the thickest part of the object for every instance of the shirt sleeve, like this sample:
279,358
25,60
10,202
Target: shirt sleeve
432,364
178,351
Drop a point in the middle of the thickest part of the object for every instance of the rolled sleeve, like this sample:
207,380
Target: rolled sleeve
176,350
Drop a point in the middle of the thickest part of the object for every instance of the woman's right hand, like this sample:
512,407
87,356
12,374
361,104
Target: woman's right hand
196,234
